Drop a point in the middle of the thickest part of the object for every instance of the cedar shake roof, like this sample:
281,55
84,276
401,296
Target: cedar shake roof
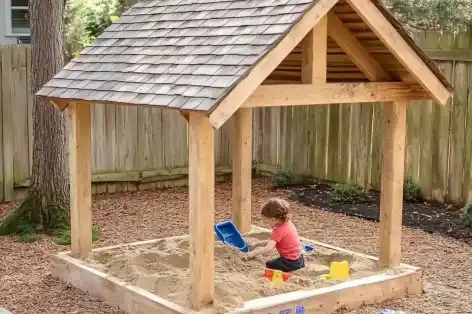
185,54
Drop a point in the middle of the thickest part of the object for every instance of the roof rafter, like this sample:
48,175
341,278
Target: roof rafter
382,27
341,34
269,62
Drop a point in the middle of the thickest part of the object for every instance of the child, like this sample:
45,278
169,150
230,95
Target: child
284,238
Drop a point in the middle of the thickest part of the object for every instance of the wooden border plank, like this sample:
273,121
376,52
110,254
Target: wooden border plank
242,169
80,169
351,293
401,49
269,62
391,195
113,291
332,93
201,210
354,49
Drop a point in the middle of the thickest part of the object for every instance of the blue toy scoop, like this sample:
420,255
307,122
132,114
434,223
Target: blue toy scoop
227,232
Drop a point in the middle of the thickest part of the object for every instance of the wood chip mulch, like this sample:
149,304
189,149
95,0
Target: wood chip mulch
27,287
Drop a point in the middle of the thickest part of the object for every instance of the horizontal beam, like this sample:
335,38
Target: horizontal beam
333,93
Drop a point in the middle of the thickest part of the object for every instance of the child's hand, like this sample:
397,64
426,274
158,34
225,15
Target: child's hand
246,256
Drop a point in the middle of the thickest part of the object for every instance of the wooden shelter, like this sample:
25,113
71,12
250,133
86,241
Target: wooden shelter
212,59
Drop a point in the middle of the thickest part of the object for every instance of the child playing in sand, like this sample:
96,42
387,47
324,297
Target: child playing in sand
284,238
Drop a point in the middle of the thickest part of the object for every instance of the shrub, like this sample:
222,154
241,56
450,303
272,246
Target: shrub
411,192
28,237
284,178
466,214
349,193
63,236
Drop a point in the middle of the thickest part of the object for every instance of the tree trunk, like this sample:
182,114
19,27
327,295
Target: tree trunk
49,189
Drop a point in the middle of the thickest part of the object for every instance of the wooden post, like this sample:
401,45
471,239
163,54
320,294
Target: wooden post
391,196
80,169
201,208
314,54
242,169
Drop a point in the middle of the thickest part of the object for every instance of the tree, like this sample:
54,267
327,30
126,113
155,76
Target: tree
47,205
441,15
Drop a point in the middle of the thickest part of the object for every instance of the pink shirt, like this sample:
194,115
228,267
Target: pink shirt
287,241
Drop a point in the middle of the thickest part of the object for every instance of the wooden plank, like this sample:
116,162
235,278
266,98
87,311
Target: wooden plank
99,152
343,157
29,77
441,125
145,136
364,146
8,125
80,169
127,133
111,142
268,64
458,117
391,197
201,208
377,137
331,93
401,49
351,294
19,100
131,299
355,50
426,130
242,169
333,140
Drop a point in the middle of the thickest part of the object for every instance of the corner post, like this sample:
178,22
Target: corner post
242,169
391,196
201,210
80,174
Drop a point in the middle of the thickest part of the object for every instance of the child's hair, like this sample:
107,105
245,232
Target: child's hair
276,208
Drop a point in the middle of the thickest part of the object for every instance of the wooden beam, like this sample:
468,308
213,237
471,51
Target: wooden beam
332,93
354,49
80,169
272,59
391,196
60,104
184,115
201,208
401,49
242,169
314,54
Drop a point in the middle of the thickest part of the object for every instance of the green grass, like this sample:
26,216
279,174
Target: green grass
62,237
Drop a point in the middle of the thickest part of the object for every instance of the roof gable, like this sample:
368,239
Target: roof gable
211,55
179,54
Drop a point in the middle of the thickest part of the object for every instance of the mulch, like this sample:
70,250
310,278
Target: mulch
429,216
27,287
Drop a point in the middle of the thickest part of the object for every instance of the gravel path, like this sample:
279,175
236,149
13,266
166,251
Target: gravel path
27,287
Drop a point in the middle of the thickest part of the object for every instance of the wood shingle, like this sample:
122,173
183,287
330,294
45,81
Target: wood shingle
184,54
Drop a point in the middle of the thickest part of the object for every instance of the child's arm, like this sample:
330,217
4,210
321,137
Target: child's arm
257,244
269,247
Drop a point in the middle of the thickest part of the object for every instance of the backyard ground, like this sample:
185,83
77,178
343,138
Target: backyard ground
27,287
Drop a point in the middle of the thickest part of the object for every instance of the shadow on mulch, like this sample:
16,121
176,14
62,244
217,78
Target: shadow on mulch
429,216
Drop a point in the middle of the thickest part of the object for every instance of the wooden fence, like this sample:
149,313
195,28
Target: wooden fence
145,148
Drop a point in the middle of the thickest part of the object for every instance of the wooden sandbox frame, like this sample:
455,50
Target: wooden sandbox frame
308,35
134,300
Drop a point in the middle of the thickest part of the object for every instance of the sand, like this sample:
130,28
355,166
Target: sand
162,268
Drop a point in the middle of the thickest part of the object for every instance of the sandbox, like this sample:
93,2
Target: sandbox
153,277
